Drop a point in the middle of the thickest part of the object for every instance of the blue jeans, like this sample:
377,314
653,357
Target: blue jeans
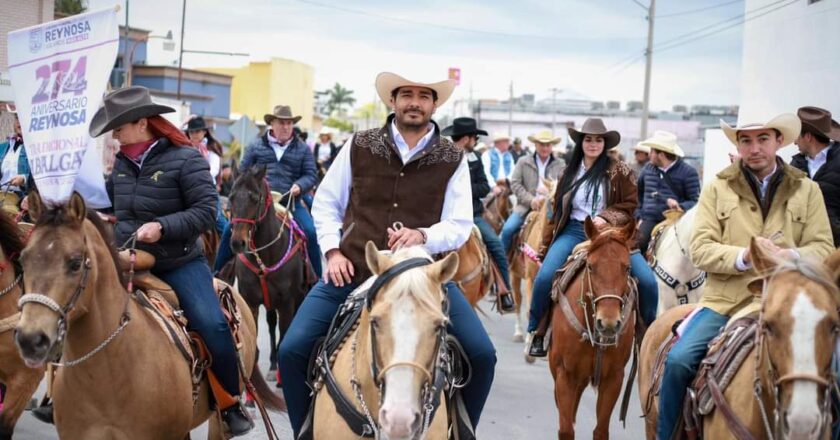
303,219
494,248
221,220
193,283
511,227
681,365
556,257
313,320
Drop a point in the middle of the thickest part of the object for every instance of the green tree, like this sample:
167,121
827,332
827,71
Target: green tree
70,7
340,124
339,96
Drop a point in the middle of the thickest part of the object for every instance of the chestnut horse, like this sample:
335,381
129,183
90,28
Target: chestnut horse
262,241
20,381
497,208
475,274
404,322
592,329
120,375
787,378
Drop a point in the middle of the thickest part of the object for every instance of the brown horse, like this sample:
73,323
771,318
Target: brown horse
524,268
121,377
592,339
497,208
270,267
475,275
19,380
404,322
790,363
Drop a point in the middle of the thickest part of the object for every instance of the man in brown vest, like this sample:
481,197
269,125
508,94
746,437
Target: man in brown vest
403,172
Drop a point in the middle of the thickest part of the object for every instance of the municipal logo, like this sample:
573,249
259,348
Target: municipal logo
36,40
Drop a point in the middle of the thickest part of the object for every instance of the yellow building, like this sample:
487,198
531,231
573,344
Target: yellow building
259,86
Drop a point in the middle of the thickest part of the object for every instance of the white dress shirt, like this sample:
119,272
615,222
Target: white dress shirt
583,204
9,166
817,162
279,149
333,195
541,167
323,152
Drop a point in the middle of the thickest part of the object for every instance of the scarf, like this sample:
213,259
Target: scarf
136,150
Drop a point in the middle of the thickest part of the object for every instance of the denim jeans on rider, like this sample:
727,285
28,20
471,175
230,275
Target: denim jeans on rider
313,320
221,220
303,219
557,255
494,248
681,365
193,283
511,227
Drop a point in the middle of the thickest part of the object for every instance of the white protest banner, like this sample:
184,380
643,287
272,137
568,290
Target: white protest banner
59,71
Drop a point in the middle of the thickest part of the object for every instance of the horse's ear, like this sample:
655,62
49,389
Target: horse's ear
832,263
376,261
76,208
762,261
36,205
259,171
445,269
589,228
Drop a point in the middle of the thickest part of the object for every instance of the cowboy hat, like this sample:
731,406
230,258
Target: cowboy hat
787,124
197,123
122,106
325,131
387,82
500,136
640,147
819,120
545,137
665,142
462,127
595,126
282,112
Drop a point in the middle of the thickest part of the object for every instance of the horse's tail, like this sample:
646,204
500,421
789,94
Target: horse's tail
270,399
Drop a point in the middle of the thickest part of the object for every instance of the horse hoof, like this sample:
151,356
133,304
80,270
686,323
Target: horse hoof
529,359
518,337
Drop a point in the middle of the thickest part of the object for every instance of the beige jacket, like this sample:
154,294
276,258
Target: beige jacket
729,216
526,177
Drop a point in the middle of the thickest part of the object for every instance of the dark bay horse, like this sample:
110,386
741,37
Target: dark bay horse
271,265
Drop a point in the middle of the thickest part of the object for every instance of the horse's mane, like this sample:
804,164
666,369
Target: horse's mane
11,239
414,283
605,236
59,216
809,268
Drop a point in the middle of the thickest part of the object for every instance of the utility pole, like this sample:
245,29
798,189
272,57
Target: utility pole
648,62
554,91
510,111
181,49
126,61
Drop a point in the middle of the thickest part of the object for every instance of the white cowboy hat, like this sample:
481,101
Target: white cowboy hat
500,136
387,82
665,142
640,147
325,131
545,137
480,147
788,125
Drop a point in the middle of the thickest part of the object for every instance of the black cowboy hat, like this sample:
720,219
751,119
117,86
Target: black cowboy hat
122,106
462,127
197,123
595,126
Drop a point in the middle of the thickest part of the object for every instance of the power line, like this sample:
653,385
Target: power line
694,11
641,5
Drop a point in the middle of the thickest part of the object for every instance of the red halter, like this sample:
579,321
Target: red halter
253,222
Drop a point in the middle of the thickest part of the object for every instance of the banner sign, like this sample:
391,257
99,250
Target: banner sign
59,72
455,73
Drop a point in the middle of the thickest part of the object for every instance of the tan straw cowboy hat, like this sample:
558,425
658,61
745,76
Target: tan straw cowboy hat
788,125
595,126
819,120
387,82
665,142
545,137
282,112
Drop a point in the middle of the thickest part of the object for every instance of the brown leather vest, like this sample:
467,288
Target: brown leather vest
384,190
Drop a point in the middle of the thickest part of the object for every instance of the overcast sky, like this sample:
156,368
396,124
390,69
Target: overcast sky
593,47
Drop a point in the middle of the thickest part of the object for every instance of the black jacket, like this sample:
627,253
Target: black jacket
173,187
478,179
828,178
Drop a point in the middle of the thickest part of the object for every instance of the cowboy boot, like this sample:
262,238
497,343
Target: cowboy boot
506,303
537,345
44,411
238,423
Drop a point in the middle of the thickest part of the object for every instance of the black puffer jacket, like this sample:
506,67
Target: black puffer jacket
828,178
172,187
478,179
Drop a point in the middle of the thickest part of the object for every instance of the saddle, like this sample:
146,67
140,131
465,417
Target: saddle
567,273
161,302
450,377
281,210
726,354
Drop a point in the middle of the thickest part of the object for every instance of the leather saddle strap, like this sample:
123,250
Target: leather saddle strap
566,307
355,420
732,421
173,333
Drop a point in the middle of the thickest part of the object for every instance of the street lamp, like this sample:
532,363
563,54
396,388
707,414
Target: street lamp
168,45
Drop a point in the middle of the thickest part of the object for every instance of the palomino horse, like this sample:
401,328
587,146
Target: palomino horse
19,380
475,274
393,354
679,281
121,377
593,329
524,265
271,268
782,389
497,208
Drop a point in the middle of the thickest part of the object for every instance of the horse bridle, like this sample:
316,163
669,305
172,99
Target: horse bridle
252,222
828,384
587,292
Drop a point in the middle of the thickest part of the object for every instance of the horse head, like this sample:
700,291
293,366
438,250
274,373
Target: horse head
407,324
61,256
606,274
249,198
799,326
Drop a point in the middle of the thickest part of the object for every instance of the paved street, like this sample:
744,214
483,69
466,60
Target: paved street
521,405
